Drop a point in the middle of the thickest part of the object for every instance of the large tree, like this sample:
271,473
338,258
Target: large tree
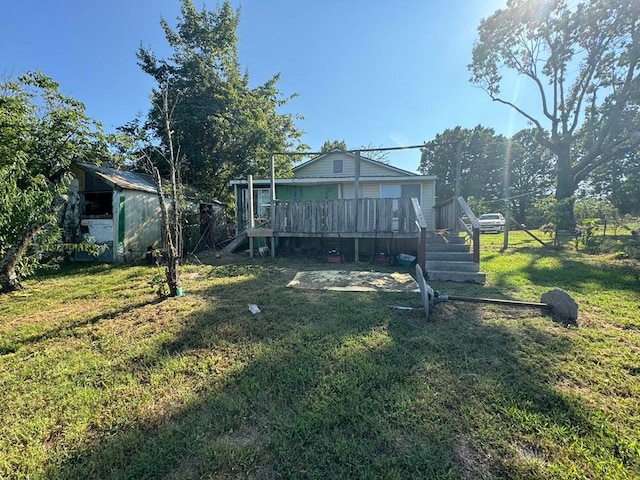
482,164
42,132
530,166
226,128
582,59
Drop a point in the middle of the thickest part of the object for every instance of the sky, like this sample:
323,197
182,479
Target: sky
369,72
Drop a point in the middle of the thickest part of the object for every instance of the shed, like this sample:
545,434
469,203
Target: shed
120,209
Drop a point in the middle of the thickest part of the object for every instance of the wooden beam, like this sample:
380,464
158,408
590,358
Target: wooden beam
260,232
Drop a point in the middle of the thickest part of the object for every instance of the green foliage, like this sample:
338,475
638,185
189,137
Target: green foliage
328,145
226,129
482,164
42,132
531,172
553,215
595,208
586,236
492,168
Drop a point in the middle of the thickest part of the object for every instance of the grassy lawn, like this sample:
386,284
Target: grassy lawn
99,379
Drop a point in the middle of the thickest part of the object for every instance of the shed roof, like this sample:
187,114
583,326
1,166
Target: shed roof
122,178
141,182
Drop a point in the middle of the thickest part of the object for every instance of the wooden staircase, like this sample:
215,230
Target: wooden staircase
449,258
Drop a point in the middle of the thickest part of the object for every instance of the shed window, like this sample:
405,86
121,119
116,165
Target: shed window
337,166
98,204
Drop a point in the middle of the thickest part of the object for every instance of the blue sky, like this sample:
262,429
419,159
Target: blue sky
366,72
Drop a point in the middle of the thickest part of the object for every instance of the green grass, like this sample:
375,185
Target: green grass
99,379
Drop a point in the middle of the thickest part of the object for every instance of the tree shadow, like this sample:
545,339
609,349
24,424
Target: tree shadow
344,388
575,275
68,328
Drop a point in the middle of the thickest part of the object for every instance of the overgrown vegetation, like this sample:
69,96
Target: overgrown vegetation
100,379
42,132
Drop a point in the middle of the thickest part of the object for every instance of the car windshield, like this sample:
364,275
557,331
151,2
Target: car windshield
489,216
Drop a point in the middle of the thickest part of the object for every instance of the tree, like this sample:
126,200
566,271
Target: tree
369,152
41,133
582,59
172,208
531,167
328,146
619,181
226,128
482,164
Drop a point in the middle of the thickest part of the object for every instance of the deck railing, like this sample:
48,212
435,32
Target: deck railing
455,214
346,216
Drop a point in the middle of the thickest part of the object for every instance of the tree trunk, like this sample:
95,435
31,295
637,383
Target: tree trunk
565,183
9,281
173,275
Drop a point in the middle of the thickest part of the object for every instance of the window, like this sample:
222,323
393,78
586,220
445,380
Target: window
390,191
337,166
411,190
261,202
98,204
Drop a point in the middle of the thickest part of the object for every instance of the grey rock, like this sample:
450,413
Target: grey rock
562,305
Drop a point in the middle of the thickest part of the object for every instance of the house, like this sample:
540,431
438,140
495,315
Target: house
342,200
120,210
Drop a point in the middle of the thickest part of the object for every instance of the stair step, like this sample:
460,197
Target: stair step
447,247
462,277
450,256
447,265
445,239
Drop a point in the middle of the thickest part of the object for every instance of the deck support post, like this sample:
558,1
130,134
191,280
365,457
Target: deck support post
356,248
272,208
252,221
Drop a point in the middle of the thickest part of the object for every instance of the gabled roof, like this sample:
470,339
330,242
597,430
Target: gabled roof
122,178
352,155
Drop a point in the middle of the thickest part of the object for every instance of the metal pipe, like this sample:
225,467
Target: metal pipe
497,301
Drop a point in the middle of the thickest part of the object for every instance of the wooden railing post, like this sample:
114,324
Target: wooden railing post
476,245
422,238
475,228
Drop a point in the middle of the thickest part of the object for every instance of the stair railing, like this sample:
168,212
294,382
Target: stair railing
421,223
450,215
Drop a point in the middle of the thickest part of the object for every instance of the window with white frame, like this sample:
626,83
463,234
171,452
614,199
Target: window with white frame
338,166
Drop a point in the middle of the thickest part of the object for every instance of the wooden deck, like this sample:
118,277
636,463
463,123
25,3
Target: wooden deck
347,218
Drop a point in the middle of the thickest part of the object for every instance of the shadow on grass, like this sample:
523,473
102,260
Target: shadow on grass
78,269
572,274
335,385
66,329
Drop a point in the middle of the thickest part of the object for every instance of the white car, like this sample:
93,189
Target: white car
491,222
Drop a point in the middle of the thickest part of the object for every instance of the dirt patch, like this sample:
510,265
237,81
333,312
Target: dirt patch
354,281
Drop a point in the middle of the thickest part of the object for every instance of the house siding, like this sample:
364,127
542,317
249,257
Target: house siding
370,190
323,167
427,202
